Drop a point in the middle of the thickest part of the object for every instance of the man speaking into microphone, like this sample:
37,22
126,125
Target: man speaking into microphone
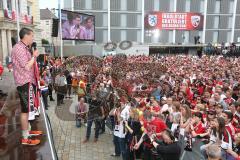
77,31
23,72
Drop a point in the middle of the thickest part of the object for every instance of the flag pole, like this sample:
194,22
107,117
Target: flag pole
17,19
60,21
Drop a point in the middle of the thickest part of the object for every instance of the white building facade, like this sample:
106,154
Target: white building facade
28,11
118,20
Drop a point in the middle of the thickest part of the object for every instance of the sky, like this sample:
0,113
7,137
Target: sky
48,4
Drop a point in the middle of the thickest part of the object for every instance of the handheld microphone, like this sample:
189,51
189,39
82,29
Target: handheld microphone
34,46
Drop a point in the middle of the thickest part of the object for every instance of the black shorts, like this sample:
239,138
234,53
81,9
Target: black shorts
26,93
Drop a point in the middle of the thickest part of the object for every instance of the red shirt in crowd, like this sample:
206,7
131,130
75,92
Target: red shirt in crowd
231,130
236,120
199,128
154,126
1,70
156,108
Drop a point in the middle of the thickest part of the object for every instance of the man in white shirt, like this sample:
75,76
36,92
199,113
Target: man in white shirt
168,106
60,82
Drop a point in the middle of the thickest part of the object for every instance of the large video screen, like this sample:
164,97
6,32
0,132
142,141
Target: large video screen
77,26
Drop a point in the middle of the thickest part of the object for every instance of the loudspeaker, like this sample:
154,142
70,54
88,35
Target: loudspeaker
55,25
14,41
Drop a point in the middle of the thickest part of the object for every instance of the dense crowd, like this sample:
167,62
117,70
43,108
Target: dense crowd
158,107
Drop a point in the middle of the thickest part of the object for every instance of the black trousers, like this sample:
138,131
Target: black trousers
61,91
45,98
69,89
50,90
102,124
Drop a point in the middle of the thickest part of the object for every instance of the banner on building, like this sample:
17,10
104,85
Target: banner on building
173,21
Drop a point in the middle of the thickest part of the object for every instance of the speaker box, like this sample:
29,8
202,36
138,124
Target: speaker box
55,27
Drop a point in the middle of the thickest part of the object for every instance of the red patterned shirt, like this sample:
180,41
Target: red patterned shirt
20,57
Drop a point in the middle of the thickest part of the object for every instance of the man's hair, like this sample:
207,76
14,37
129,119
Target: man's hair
214,151
77,16
24,31
89,18
229,114
170,134
147,114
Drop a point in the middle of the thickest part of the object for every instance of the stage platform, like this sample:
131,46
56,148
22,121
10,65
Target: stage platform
10,129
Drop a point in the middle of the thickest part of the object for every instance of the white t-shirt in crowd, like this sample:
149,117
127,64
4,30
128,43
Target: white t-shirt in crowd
119,130
125,114
166,107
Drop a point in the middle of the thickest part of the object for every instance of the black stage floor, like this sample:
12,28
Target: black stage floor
10,133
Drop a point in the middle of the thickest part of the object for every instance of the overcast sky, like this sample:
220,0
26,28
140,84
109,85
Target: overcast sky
48,4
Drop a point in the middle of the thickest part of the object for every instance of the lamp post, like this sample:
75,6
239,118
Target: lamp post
17,18
60,20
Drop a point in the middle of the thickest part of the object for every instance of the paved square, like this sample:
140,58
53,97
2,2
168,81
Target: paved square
68,139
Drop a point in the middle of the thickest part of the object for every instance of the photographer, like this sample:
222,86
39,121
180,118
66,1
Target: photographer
95,114
168,149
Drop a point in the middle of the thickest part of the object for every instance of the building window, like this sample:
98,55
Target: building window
231,6
9,4
188,6
185,37
47,22
19,6
156,5
170,36
29,5
215,37
216,22
105,4
123,20
88,4
217,7
123,35
97,4
202,6
229,36
230,22
123,5
76,5
105,19
28,10
105,36
171,5
1,4
139,5
139,20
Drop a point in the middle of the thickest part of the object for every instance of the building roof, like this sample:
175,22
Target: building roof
46,14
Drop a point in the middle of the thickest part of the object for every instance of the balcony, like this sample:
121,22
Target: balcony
11,16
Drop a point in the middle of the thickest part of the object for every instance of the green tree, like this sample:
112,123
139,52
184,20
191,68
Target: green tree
44,41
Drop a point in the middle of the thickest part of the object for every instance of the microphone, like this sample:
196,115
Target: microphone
34,46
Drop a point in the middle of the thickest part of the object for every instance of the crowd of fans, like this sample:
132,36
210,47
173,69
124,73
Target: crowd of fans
157,107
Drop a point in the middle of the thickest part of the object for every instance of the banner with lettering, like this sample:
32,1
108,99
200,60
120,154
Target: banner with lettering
173,21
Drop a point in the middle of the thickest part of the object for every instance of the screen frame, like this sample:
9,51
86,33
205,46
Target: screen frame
93,40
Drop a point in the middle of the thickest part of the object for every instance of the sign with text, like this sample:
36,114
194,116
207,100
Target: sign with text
173,21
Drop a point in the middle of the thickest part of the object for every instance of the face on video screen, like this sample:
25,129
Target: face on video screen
77,20
77,26
89,23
